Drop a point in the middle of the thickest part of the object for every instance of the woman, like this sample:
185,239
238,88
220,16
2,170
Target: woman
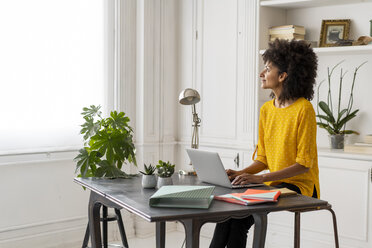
287,133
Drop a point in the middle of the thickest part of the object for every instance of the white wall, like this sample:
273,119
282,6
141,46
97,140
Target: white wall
218,58
41,206
40,203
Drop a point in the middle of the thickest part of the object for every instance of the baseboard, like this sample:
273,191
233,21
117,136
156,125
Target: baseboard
58,234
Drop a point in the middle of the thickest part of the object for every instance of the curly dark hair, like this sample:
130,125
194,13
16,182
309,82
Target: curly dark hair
299,61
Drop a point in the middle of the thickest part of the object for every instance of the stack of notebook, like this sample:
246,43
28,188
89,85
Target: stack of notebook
250,197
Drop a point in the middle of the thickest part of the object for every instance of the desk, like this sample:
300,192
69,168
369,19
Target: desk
128,194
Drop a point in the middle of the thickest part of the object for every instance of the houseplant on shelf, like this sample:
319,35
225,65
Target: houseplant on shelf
108,144
334,120
165,171
148,177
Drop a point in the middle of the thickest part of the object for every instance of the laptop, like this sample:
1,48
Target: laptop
209,168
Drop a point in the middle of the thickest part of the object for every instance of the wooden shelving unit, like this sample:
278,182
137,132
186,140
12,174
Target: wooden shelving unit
344,50
290,4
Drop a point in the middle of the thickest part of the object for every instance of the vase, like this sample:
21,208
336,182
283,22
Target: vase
164,181
148,181
337,141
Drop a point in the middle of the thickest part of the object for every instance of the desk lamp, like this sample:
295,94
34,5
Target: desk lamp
191,97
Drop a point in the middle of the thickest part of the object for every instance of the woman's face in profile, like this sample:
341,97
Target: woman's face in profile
270,77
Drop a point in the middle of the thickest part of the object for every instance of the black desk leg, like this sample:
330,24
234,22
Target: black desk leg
94,221
104,226
260,227
297,230
160,234
192,231
121,229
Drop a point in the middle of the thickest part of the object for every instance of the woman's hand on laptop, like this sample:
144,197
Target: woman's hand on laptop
233,173
246,178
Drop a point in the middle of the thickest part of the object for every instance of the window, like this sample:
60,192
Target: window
52,60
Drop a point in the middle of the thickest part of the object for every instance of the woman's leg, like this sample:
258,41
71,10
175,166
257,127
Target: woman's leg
221,234
232,233
239,231
315,193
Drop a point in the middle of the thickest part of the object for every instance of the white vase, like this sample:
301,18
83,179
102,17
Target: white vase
148,181
164,181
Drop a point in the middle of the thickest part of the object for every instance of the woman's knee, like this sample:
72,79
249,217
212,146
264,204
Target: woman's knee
242,224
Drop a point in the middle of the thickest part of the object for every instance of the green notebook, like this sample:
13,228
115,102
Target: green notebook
182,196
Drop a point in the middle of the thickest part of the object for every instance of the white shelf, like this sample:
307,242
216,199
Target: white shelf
345,50
339,153
291,4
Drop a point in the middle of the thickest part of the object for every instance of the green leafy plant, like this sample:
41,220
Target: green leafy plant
149,170
165,169
334,120
108,143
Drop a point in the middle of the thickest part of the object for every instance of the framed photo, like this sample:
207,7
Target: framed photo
333,31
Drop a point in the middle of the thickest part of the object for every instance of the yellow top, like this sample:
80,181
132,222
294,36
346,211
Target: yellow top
288,136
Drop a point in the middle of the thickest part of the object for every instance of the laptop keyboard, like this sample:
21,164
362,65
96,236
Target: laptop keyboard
246,185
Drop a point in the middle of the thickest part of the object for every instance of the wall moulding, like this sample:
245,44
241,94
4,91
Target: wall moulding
59,233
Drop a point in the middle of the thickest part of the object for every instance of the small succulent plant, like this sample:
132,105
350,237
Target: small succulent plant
165,169
148,170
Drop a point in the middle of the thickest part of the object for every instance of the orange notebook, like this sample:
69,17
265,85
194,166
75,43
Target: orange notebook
250,197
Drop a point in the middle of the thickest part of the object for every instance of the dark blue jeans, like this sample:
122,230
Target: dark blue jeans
233,232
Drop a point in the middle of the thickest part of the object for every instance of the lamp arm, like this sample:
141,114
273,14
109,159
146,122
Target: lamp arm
195,132
195,118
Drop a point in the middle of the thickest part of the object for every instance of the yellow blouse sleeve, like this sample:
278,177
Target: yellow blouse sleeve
261,154
306,138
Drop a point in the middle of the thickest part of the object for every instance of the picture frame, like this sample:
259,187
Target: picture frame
333,31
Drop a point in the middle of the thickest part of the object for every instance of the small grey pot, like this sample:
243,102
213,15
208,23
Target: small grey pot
337,141
164,181
148,181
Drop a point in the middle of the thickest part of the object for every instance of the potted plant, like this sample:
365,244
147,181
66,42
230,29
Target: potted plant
334,119
148,177
108,144
165,171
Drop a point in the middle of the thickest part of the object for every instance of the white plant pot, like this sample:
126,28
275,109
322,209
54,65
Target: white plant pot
148,181
164,181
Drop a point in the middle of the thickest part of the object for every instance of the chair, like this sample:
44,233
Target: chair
105,218
297,223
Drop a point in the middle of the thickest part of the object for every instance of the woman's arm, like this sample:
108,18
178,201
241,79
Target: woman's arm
291,171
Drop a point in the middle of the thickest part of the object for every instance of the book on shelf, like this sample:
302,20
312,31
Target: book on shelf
250,197
287,29
182,196
362,148
287,36
368,138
